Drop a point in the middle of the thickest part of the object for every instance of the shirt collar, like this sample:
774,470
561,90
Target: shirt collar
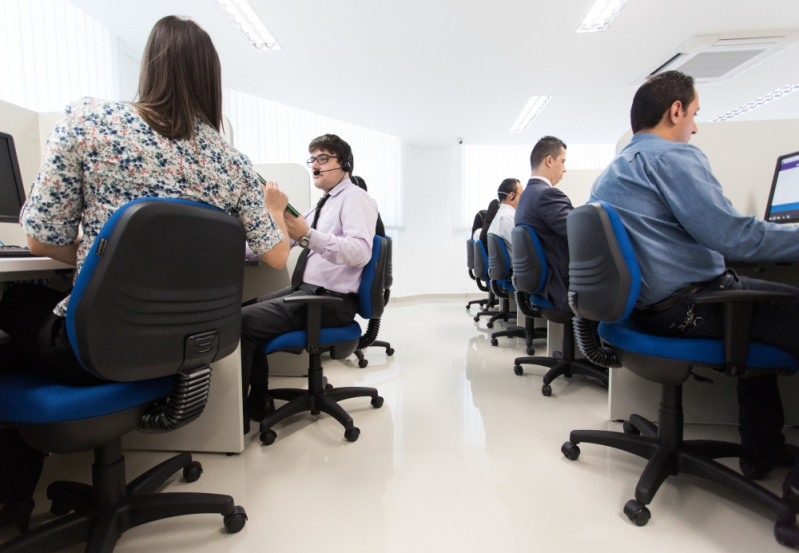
646,136
546,180
340,187
506,207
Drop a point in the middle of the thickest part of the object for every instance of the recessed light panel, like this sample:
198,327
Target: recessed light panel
249,24
600,16
763,100
531,109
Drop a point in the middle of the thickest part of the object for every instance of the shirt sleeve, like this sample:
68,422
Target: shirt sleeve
553,208
698,203
354,248
262,232
52,214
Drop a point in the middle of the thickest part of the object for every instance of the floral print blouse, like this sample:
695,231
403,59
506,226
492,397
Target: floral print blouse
102,155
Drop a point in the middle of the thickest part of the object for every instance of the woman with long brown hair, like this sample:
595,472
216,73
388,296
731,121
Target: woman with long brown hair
100,156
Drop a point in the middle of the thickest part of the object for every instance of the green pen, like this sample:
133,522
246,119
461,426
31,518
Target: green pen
289,207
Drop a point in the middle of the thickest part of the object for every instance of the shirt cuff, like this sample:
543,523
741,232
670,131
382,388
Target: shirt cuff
318,241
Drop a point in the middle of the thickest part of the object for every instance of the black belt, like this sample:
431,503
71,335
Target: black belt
325,292
675,299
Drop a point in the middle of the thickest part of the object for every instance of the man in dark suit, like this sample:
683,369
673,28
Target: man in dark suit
544,207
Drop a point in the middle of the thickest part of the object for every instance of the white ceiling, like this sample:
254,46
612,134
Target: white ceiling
433,71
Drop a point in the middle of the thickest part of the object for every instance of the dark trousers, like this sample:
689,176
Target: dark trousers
760,414
270,317
38,342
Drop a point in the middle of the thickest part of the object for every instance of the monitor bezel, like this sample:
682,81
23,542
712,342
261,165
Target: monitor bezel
771,193
17,175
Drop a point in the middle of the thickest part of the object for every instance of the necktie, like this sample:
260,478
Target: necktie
299,270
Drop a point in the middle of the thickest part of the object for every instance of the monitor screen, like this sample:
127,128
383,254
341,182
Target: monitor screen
783,203
12,194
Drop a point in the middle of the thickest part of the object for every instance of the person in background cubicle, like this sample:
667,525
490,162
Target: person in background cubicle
336,237
509,192
682,227
477,224
100,156
545,208
380,228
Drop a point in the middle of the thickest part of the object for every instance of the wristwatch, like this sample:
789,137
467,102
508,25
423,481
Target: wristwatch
306,239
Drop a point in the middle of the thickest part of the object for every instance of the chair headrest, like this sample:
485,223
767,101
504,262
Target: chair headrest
162,281
603,272
530,266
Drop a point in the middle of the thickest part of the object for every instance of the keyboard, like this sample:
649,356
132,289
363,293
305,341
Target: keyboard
15,251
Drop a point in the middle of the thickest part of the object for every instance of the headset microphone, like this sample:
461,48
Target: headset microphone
317,172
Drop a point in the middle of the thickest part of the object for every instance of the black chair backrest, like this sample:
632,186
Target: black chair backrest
480,260
604,278
498,259
470,254
388,277
160,291
529,262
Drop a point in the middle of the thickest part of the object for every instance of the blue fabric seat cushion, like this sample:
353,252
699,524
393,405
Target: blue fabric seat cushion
34,398
629,337
540,301
299,339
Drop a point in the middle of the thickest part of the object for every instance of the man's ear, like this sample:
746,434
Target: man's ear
674,112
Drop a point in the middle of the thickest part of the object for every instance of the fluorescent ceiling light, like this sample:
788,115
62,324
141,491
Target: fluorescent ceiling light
532,108
244,18
779,93
600,16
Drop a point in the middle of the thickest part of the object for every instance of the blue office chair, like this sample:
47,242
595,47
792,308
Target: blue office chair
530,271
369,338
340,342
480,261
605,283
483,288
157,300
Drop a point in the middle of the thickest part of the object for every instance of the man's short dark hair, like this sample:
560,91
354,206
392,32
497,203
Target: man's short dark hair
337,147
657,95
507,186
547,146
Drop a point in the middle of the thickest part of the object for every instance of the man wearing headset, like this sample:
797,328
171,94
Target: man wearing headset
509,192
336,237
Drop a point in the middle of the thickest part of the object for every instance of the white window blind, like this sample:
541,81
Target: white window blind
483,168
270,132
52,54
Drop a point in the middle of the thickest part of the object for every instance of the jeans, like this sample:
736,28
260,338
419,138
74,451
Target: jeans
760,414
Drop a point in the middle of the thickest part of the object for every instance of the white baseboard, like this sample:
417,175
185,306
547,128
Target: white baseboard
417,297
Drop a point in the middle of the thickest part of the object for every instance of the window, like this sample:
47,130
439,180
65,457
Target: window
52,54
483,168
269,132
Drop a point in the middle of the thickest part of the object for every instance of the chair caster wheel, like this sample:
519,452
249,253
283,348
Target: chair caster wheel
629,428
637,512
530,351
328,387
494,342
505,318
377,402
235,521
570,450
518,371
389,351
351,434
192,472
546,389
477,319
60,508
468,307
490,325
268,437
363,362
786,534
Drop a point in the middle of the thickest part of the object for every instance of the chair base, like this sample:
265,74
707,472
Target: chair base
481,303
668,455
528,332
101,513
363,362
320,397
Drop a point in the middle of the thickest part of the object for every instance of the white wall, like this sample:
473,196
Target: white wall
743,155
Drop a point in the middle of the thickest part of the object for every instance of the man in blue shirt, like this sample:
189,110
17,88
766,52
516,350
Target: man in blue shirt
682,227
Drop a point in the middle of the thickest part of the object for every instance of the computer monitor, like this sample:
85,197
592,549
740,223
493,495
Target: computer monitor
12,194
783,202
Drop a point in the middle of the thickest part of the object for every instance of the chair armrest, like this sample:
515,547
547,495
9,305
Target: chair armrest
313,323
312,300
739,296
738,306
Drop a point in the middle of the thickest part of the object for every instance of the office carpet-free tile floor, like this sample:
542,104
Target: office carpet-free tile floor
464,457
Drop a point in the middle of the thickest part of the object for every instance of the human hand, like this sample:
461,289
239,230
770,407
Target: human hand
274,198
297,227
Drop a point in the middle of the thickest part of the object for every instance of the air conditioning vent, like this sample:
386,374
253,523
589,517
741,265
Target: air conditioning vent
713,59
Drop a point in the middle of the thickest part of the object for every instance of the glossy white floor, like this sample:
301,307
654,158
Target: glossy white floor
464,456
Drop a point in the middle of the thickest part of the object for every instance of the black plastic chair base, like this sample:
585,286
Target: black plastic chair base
668,455
319,398
101,513
481,303
363,362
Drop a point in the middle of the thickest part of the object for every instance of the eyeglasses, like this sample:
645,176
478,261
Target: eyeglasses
321,159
